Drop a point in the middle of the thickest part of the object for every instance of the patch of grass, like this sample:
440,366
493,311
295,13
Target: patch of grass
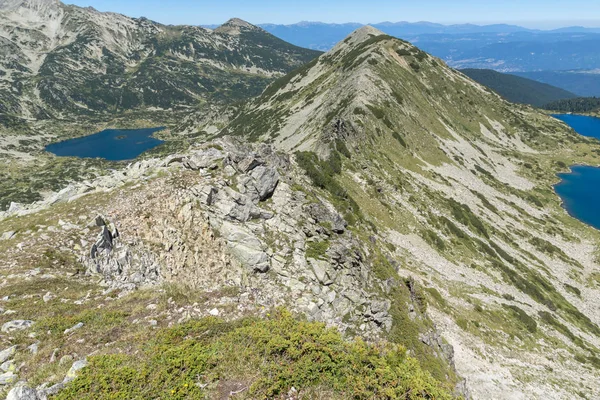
523,317
551,320
317,250
322,174
268,357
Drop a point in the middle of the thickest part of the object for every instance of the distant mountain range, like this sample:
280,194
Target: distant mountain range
530,53
517,89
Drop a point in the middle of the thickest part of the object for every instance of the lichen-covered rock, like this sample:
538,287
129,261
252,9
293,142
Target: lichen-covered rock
7,354
74,370
265,181
246,247
23,392
16,325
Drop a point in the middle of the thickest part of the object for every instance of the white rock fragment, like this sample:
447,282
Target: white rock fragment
16,325
74,328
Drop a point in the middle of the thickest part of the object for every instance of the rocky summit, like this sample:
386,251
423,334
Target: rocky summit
373,225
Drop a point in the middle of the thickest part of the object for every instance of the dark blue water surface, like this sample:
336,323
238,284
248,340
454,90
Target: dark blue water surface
110,144
584,125
580,189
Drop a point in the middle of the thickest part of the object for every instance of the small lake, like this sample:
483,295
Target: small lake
584,125
110,144
580,189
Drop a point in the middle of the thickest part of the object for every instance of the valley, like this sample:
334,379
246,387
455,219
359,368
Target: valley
362,223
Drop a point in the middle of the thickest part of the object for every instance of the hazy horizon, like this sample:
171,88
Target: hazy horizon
536,14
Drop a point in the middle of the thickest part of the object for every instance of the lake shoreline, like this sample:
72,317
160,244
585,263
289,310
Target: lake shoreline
575,186
117,145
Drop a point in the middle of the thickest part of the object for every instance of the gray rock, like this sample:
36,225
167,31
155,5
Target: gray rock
8,378
48,296
51,391
322,214
173,159
8,235
8,366
265,181
33,349
23,392
7,354
74,371
16,325
207,194
320,268
246,247
66,359
74,328
100,221
249,163
206,158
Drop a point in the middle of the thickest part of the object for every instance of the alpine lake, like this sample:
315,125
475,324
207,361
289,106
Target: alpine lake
110,144
580,188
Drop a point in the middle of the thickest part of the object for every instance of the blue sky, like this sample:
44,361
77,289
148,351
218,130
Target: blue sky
530,13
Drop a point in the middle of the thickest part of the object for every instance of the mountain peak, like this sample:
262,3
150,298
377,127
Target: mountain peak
235,26
366,31
357,37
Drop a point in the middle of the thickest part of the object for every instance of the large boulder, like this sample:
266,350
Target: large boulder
204,159
265,181
245,247
74,371
322,214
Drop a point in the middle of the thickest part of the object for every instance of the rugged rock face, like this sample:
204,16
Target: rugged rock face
233,220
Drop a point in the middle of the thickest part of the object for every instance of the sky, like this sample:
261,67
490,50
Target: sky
543,14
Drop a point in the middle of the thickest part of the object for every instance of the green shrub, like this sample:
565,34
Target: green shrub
269,356
522,316
316,250
322,174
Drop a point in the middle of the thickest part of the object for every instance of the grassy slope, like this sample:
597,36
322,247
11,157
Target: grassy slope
423,170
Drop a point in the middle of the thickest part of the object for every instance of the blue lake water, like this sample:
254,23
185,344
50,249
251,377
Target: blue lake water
584,125
580,189
110,144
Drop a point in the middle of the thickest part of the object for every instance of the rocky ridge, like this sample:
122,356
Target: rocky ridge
458,184
226,216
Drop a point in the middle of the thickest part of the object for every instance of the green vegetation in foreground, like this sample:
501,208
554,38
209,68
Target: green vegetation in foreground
578,105
260,359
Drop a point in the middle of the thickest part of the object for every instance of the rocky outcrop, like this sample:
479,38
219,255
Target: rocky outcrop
121,264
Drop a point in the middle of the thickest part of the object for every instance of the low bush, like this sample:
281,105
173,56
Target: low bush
265,358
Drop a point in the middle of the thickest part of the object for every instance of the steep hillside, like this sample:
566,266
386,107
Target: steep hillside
456,185
58,59
517,89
